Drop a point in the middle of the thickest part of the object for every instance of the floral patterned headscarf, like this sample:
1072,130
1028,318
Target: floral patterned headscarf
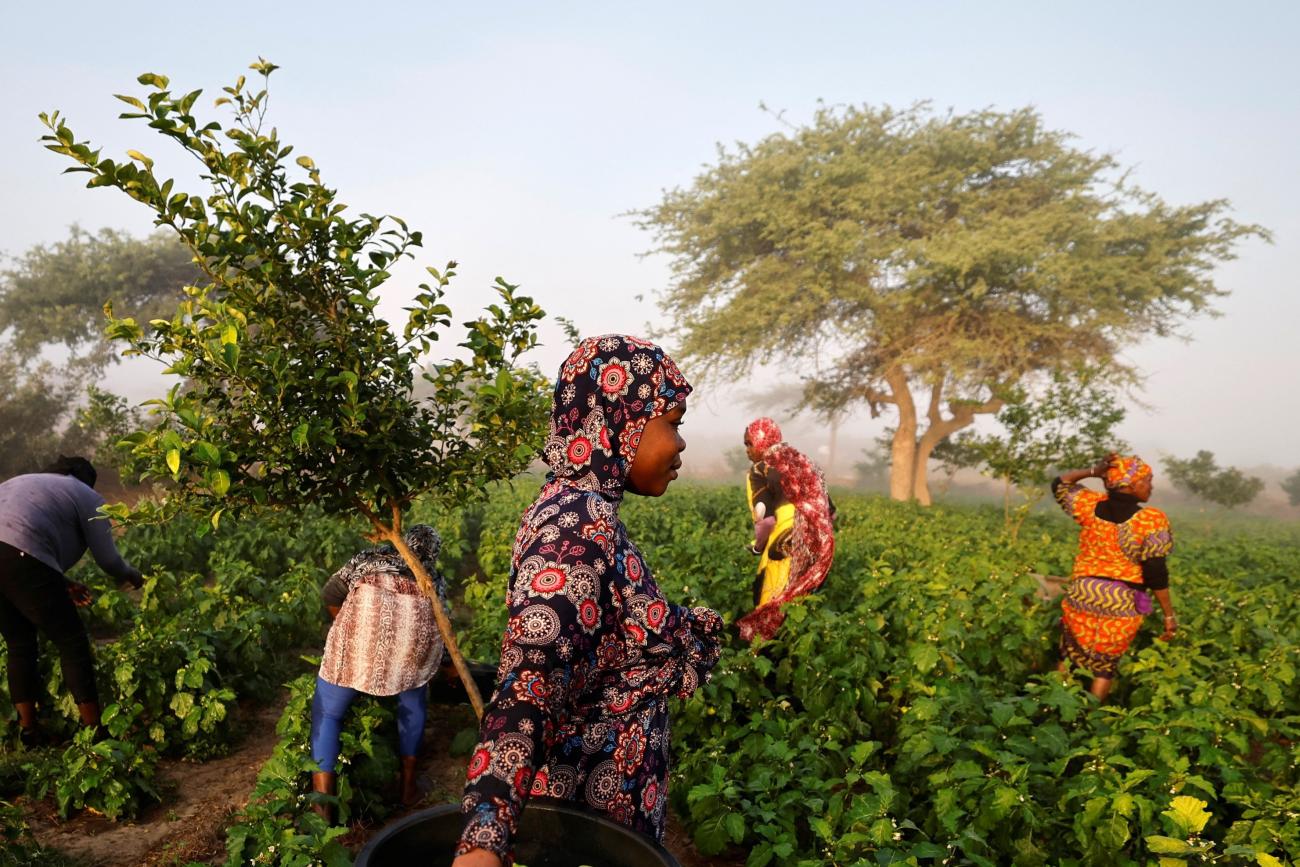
608,389
812,546
1124,472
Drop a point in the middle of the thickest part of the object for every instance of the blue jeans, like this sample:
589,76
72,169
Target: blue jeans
331,702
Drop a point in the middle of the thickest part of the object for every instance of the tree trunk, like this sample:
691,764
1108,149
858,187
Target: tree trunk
940,428
393,535
902,453
935,431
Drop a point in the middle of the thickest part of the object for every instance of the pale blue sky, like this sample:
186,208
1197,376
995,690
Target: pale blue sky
513,134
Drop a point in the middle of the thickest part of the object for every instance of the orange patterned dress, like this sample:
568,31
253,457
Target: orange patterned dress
1105,602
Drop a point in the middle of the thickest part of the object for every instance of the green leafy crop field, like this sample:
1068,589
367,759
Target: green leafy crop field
908,713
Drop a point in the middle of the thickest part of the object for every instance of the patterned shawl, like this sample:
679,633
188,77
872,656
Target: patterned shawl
812,545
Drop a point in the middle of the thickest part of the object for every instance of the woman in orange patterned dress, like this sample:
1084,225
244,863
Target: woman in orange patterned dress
1122,551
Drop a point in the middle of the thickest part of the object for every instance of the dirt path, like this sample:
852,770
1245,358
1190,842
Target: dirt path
198,802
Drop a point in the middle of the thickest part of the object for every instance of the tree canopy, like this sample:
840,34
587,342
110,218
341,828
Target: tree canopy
54,294
1202,477
52,298
1291,487
885,252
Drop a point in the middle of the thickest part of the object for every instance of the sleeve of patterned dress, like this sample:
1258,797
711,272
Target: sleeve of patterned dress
1079,502
1157,535
685,642
553,608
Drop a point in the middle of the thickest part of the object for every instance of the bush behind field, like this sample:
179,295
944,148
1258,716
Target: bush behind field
908,712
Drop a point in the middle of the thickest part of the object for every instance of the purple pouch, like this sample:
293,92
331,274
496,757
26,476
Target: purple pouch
763,531
1142,602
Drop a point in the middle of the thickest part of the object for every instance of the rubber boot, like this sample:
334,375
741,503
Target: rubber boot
410,794
323,783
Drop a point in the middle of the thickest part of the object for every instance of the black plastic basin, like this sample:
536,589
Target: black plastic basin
549,835
485,678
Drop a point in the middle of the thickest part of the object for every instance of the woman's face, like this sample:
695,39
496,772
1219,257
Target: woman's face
754,455
1142,489
659,457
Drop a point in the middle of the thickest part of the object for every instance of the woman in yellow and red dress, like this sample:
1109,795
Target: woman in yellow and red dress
1122,549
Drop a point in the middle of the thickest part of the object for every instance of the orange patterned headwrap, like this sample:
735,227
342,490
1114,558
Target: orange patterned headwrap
1125,471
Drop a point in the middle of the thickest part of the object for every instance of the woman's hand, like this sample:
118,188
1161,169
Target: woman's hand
477,858
1099,469
1171,626
80,593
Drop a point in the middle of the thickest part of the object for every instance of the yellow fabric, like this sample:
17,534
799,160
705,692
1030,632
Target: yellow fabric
776,573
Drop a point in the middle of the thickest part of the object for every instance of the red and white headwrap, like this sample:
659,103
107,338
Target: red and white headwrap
812,544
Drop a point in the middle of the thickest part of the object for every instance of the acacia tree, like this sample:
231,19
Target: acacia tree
1202,477
926,263
295,390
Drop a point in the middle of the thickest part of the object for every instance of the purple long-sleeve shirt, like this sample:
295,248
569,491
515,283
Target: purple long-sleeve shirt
55,518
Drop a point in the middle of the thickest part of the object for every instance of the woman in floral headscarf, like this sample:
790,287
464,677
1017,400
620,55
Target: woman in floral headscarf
1122,551
793,530
592,651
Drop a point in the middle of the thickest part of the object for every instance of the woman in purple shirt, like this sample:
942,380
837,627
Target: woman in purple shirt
47,521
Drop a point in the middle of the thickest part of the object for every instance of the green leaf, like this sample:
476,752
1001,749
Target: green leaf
1168,845
174,460
136,155
205,452
735,824
219,482
1188,813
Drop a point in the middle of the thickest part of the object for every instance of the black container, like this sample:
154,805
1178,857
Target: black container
443,692
550,835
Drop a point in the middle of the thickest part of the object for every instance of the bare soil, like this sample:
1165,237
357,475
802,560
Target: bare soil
198,802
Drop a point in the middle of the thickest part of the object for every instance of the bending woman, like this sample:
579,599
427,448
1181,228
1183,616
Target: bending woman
383,641
592,651
47,521
798,554
1122,551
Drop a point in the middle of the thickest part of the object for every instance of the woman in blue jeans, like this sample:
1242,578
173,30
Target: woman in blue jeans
383,641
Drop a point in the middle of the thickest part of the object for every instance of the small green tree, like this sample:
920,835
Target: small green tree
99,426
1202,477
1068,424
1291,487
296,391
